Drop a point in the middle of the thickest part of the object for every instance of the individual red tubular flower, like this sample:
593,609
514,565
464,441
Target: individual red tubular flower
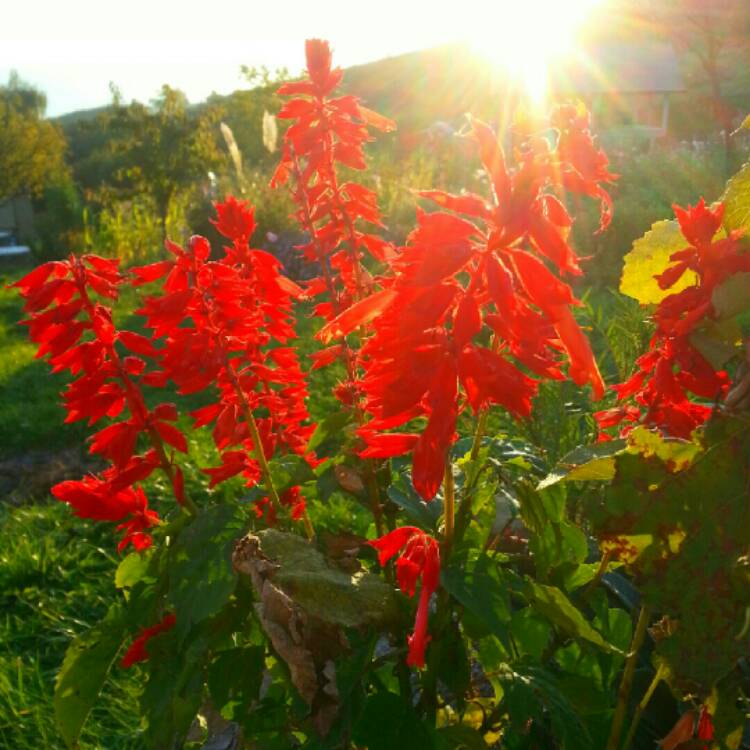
498,266
138,649
75,331
225,324
418,561
673,369
705,728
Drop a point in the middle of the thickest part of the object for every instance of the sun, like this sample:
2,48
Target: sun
526,37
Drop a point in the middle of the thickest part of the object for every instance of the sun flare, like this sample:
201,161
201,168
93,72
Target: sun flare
529,36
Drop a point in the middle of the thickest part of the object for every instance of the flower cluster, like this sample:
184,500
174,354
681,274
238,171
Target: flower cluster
74,330
458,281
226,323
418,561
328,132
673,368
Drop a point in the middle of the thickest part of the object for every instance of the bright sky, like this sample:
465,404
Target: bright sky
72,49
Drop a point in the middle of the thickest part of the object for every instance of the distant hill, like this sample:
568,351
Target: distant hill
415,89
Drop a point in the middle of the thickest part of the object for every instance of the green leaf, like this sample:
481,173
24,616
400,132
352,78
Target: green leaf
479,587
201,578
328,428
236,675
733,296
290,471
85,667
717,341
132,569
390,723
422,514
677,454
551,602
649,257
172,695
460,737
736,200
586,463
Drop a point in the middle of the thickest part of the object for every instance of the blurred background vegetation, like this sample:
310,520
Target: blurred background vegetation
120,178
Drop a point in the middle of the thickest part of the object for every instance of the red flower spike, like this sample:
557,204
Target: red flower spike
329,131
418,560
224,324
105,384
673,370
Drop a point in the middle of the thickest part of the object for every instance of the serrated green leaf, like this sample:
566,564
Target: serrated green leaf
327,428
236,675
84,671
289,471
677,454
736,200
649,257
552,603
425,515
479,587
201,578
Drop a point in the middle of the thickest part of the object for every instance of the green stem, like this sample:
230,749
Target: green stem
449,493
658,677
626,684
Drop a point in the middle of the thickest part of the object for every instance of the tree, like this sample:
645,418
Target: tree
32,149
162,149
714,35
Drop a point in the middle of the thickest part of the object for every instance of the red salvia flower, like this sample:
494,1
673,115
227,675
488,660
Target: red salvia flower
225,324
497,267
74,330
418,562
328,132
673,369
138,649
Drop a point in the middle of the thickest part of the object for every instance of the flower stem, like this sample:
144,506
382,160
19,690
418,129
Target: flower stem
260,456
641,707
626,684
449,493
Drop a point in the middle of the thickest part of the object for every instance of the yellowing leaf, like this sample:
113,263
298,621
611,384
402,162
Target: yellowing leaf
737,201
649,257
678,454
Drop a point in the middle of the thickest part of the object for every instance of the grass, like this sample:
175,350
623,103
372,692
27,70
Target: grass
56,580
